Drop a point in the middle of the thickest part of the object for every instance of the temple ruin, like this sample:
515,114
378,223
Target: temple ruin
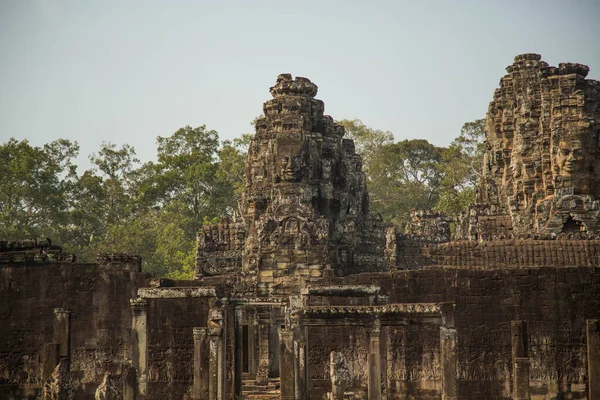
305,294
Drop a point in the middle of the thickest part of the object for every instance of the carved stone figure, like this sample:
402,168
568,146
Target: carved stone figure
339,375
59,385
107,389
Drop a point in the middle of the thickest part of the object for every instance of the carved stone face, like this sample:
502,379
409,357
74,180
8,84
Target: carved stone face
570,157
289,162
516,167
287,169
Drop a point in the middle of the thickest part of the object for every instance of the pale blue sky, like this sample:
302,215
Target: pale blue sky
128,71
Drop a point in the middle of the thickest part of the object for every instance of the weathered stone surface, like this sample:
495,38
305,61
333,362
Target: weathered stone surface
107,389
59,385
542,166
429,225
305,208
339,375
303,275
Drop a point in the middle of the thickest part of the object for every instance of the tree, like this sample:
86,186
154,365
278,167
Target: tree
35,187
367,141
102,199
230,172
402,176
461,168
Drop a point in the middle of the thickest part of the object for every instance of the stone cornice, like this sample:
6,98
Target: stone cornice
398,308
176,292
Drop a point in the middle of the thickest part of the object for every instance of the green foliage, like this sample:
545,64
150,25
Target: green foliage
35,187
402,176
417,174
155,209
367,141
460,167
119,206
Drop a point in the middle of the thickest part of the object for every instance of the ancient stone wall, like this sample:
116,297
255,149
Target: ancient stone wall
497,254
555,303
428,225
171,344
96,300
219,247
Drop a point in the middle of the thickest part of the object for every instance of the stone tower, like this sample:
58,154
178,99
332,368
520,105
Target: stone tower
542,167
305,208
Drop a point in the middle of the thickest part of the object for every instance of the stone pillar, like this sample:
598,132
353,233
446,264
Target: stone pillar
139,341
262,373
593,358
213,363
252,347
520,359
201,347
62,332
521,379
129,383
238,353
49,359
296,367
449,368
520,346
374,361
286,364
302,368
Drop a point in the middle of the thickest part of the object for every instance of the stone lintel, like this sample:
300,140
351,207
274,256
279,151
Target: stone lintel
260,301
176,292
397,308
337,290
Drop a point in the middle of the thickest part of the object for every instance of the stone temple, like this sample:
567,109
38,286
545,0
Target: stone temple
304,293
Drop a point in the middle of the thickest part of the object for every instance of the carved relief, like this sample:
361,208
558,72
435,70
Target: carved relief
542,135
305,199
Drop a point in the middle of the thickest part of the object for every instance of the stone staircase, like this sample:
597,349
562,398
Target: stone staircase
252,391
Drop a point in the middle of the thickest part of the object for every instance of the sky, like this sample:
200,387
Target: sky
127,71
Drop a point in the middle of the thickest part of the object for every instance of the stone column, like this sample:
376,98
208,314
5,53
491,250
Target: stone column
213,363
252,347
593,358
302,368
239,349
374,361
62,332
286,364
520,359
201,347
49,359
129,383
262,373
449,368
521,379
139,341
296,367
